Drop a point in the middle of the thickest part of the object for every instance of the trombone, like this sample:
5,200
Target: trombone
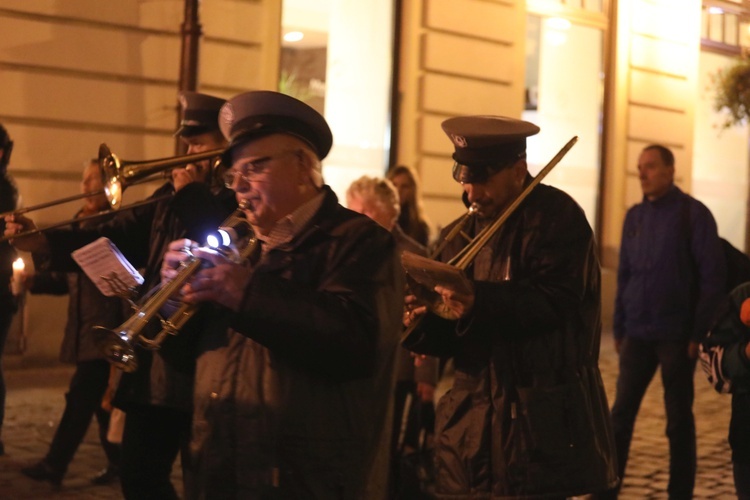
118,345
466,256
117,175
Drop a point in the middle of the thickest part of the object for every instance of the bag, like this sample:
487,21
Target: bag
710,357
737,261
738,265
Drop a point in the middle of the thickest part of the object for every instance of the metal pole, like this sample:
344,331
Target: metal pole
191,34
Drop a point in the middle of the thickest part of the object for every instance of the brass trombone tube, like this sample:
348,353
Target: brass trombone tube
85,218
117,175
466,256
48,204
457,229
129,170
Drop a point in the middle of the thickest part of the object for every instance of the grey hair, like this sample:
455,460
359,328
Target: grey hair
379,192
316,167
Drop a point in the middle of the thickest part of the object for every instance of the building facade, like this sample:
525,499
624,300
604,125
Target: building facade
619,74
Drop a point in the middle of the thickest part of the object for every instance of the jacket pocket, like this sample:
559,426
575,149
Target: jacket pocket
552,422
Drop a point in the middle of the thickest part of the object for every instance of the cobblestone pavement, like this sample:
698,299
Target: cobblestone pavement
36,399
35,402
647,474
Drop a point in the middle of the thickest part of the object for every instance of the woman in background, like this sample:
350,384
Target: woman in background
411,220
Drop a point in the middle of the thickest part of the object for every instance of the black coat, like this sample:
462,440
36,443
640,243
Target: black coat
293,399
8,201
164,377
87,307
527,415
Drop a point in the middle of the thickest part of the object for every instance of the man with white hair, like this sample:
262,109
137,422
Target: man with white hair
292,399
417,375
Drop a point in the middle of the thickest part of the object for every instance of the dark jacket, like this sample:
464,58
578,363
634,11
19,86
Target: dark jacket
8,201
294,399
527,415
163,377
87,308
427,370
728,368
672,271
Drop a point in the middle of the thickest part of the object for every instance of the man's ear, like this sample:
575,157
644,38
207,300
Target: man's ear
520,169
304,168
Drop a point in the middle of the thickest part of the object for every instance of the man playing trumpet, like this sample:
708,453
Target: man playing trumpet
527,414
292,400
157,396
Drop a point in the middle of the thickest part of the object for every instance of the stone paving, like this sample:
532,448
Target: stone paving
36,399
647,474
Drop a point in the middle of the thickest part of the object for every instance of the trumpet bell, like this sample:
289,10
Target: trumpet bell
117,349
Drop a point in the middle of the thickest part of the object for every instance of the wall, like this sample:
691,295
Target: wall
448,68
720,173
77,74
651,98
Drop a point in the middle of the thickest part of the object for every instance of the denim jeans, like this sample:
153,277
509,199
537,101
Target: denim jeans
639,360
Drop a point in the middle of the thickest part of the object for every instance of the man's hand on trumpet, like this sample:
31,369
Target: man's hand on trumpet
16,224
413,309
221,280
455,305
451,305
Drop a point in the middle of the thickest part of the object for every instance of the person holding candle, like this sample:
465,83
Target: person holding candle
87,309
8,302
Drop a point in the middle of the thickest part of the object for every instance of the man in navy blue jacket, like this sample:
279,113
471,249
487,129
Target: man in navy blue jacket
669,283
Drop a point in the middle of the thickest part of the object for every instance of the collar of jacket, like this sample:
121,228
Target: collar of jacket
673,194
323,220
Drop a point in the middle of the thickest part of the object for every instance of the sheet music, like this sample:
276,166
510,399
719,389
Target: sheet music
430,273
110,271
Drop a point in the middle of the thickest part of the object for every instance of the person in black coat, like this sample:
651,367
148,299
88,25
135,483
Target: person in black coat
527,414
8,303
293,387
87,308
156,397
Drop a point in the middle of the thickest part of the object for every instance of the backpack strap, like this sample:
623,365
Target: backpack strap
687,231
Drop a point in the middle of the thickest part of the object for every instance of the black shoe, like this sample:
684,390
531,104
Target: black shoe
107,476
43,472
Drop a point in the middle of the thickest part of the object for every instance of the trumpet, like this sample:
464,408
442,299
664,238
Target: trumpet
118,345
116,175
466,256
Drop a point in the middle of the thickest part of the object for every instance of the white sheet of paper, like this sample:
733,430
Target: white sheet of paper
103,263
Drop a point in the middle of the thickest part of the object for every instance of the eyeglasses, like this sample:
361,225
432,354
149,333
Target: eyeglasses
251,170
